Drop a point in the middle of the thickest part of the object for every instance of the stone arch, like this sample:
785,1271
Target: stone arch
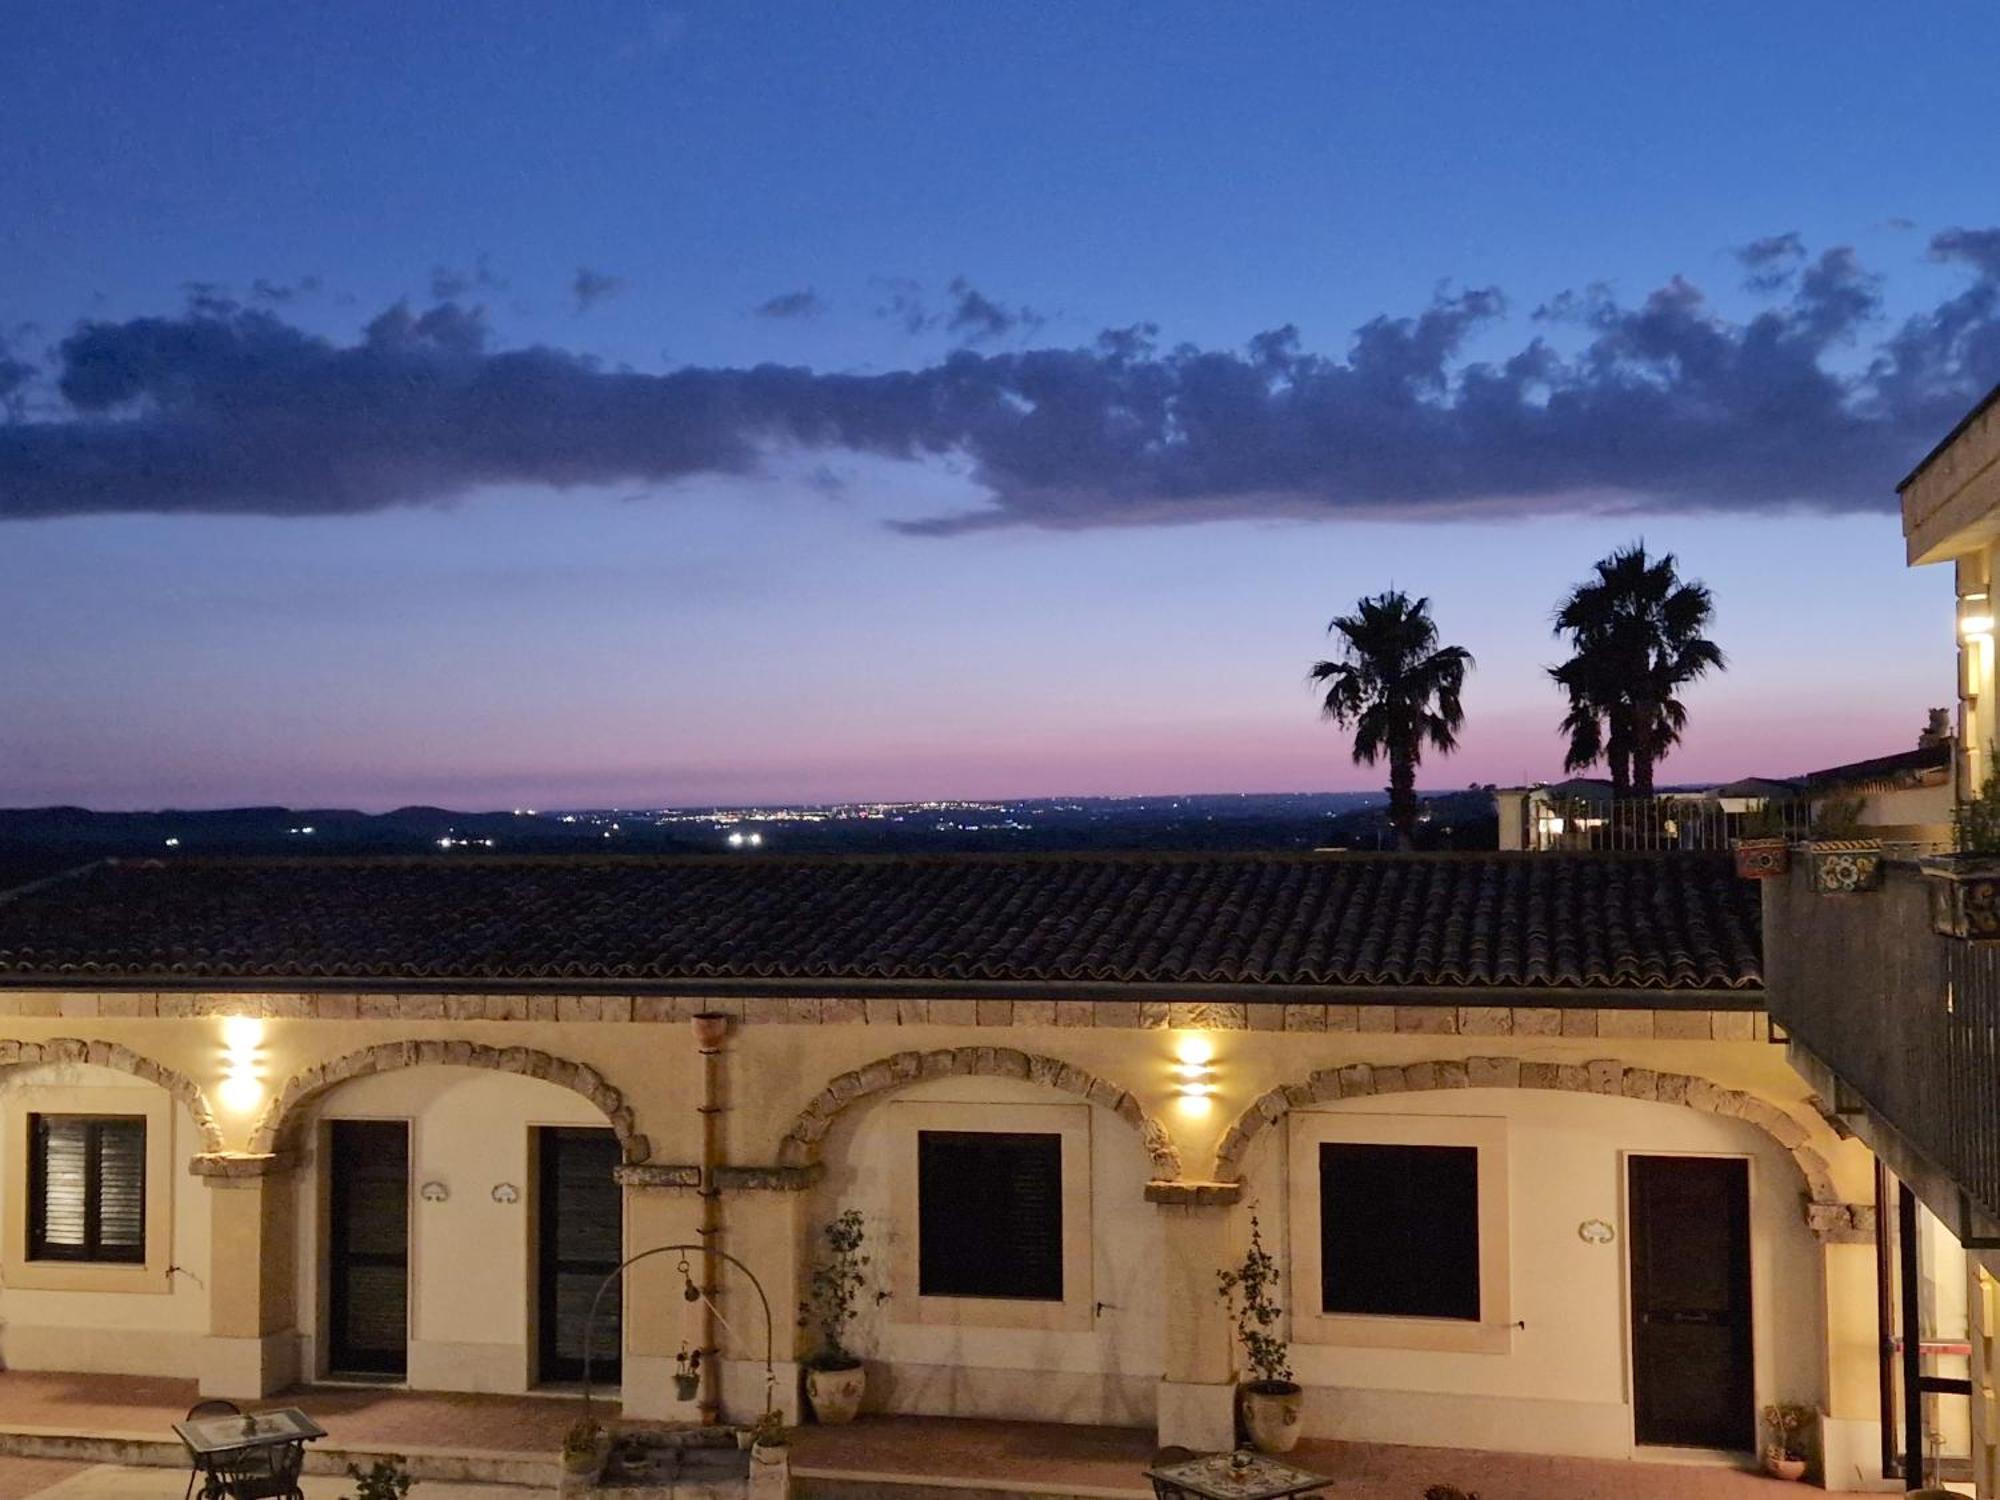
1828,1217
277,1126
120,1059
801,1145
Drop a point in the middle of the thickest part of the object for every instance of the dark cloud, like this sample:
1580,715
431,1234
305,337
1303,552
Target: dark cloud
974,316
1771,261
1608,406
969,315
277,293
452,284
804,303
592,287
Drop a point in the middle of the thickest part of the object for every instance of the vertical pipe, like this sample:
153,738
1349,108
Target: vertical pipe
1913,1353
709,1032
1885,1324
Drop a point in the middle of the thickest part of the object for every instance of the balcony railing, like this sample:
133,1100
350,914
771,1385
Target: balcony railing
1652,823
1909,1020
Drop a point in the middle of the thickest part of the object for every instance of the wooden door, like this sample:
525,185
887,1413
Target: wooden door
368,1247
580,1240
1693,1383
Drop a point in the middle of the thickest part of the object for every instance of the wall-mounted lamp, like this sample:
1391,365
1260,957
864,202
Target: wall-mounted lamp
1194,1074
1976,627
242,1063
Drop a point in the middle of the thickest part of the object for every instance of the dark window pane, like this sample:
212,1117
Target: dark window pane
87,1188
989,1211
1399,1230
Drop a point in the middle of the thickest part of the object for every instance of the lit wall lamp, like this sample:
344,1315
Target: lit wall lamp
1975,615
242,1063
1194,1074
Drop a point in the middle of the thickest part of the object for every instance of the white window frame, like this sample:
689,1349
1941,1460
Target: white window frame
908,1120
1493,1332
149,1276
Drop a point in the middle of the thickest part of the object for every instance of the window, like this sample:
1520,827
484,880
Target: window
1399,1230
990,1214
87,1188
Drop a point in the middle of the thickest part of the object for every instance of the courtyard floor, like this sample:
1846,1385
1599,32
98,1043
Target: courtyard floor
961,1457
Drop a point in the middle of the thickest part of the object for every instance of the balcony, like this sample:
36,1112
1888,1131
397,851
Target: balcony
1905,1022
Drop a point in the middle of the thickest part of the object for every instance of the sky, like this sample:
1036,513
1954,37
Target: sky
632,404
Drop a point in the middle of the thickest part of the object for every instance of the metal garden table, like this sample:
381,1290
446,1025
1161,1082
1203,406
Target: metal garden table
1234,1476
252,1456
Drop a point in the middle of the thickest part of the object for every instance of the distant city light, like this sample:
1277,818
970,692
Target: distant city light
173,843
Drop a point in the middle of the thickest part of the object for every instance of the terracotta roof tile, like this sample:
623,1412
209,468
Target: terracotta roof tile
1508,921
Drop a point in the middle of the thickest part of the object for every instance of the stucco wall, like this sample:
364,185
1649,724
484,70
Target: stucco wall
471,1277
1564,1383
153,1332
1104,1375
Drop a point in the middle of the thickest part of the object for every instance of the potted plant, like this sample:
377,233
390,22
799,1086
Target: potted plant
835,1378
583,1448
687,1373
1791,1428
1763,847
1271,1398
385,1479
1965,895
1842,861
767,1439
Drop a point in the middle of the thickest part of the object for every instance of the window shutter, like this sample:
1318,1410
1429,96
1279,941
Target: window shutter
121,1189
989,1208
62,1158
87,1185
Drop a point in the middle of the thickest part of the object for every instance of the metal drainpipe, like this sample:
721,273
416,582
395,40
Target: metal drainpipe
709,1033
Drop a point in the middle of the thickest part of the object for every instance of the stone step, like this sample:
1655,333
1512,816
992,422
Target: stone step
813,1483
149,1450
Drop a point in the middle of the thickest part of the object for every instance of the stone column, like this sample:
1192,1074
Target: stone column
1982,1305
662,1207
1851,1422
1197,1398
766,1223
252,1347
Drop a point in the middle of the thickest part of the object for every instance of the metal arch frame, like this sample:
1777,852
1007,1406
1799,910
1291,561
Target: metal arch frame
590,1322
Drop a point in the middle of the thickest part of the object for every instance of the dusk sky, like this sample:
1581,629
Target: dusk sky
607,403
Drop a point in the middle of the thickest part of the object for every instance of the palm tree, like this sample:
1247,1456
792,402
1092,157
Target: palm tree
1635,637
1397,689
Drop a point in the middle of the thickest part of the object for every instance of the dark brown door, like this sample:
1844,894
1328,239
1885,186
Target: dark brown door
368,1247
580,1240
1692,1379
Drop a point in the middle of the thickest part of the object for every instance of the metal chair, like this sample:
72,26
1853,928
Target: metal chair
259,1474
201,1467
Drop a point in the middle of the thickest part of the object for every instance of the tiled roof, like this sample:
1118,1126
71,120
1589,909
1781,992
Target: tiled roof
1903,766
1190,921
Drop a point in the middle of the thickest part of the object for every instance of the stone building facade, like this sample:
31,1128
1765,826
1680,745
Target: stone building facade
761,1045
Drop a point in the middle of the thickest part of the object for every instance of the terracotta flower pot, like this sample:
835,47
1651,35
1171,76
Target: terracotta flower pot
1271,1414
1762,859
1779,1465
836,1394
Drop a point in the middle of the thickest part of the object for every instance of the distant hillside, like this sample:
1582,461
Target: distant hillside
39,841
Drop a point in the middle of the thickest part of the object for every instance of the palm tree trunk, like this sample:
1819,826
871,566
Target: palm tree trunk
1402,795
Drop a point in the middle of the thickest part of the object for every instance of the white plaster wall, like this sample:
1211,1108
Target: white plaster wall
128,1333
471,1277
1108,1374
1564,1386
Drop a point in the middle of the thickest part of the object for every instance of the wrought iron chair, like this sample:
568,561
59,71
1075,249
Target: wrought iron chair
258,1474
201,1466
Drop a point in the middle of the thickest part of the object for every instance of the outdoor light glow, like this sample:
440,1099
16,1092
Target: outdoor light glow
1194,1074
1975,626
242,1066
